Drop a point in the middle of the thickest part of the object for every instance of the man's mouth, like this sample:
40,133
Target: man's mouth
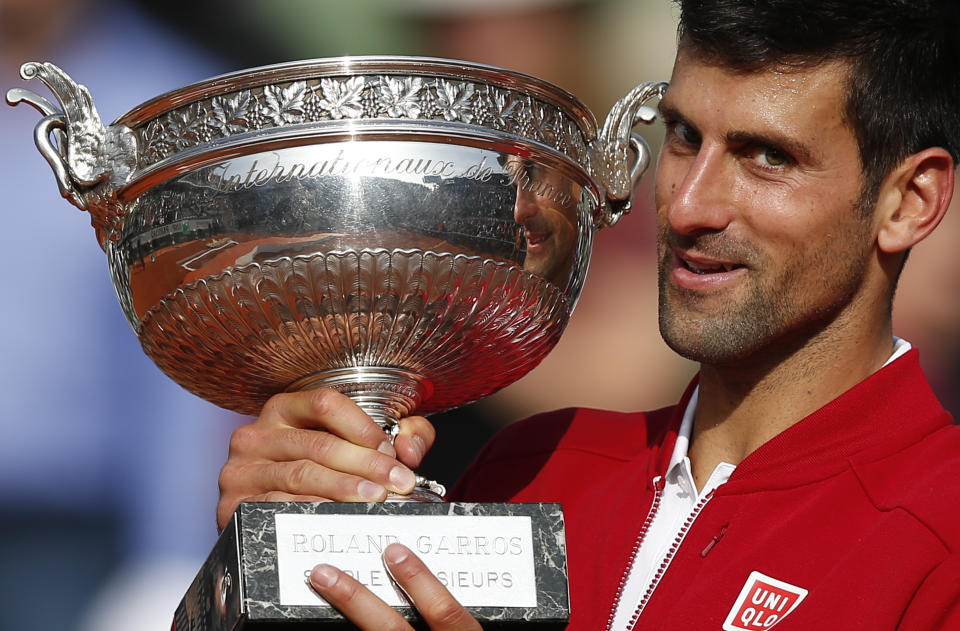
701,268
702,273
535,238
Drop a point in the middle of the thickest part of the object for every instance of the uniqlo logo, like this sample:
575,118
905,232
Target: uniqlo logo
762,603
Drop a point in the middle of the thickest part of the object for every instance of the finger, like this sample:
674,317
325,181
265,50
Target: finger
305,477
323,408
355,601
414,440
436,605
251,446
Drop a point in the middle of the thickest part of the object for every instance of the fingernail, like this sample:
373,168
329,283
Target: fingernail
323,575
418,446
386,447
369,490
395,553
402,478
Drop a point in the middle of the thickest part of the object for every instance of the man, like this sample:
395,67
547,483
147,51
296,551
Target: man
544,209
808,478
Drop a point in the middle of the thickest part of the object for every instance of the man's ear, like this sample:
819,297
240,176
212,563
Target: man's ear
913,199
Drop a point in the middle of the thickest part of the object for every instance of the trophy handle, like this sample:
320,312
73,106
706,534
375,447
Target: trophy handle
620,157
89,160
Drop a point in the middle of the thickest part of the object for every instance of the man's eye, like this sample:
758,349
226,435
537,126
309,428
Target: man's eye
772,157
685,133
680,132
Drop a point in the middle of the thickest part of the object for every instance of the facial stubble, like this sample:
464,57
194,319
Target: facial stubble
778,310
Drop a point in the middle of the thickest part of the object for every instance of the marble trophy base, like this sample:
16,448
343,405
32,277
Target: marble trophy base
505,562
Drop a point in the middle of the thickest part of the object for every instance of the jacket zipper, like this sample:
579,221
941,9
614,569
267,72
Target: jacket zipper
667,559
681,535
657,496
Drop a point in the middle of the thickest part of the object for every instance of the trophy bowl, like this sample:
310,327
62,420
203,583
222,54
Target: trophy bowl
413,232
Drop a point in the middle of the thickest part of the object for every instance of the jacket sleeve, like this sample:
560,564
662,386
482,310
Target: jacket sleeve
513,459
936,605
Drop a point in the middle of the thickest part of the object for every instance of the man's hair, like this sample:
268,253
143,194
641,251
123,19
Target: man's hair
903,55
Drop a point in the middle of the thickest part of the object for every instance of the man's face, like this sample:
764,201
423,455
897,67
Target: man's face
761,241
546,211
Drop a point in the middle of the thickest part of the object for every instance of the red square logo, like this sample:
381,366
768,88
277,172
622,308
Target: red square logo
762,603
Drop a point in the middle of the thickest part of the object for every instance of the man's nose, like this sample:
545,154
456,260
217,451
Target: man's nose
526,206
703,193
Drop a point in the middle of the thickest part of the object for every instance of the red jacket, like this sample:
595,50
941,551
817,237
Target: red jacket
858,504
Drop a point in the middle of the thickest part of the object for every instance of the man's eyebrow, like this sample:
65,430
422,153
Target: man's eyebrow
795,148
672,115
669,112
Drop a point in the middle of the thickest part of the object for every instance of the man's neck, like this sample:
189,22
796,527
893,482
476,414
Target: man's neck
742,407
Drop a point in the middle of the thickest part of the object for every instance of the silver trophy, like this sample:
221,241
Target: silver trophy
413,232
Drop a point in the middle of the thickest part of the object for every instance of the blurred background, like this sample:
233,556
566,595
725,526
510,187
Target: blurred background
108,470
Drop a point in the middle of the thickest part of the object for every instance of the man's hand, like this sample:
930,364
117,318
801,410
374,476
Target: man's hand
281,457
439,609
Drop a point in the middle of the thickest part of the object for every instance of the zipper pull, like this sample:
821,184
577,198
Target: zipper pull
714,541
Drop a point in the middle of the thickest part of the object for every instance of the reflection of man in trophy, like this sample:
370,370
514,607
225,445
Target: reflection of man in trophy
809,473
546,211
